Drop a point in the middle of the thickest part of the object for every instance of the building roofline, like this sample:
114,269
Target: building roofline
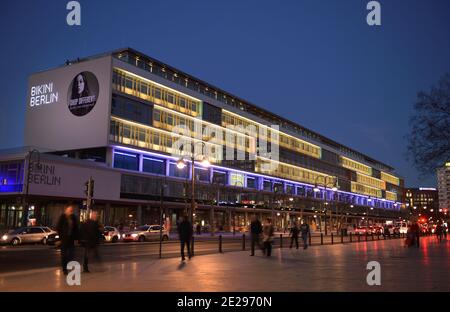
322,139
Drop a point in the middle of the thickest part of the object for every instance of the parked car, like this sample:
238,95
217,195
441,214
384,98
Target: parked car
402,227
393,230
111,234
27,235
145,233
377,230
362,230
52,239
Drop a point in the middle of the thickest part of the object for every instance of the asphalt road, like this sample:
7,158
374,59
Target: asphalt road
29,257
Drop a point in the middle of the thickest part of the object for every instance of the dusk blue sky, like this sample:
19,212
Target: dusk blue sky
315,62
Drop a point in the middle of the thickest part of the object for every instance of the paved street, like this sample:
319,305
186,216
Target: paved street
320,268
17,258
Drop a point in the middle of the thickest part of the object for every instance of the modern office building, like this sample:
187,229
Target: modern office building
126,119
443,177
423,201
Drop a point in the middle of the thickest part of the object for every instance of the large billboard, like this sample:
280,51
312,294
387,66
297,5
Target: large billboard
59,179
69,107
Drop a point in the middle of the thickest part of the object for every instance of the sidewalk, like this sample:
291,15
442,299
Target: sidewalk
326,268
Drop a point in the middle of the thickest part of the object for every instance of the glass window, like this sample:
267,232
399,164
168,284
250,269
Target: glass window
126,161
157,115
182,102
35,230
174,171
202,174
251,182
267,185
237,179
155,166
220,177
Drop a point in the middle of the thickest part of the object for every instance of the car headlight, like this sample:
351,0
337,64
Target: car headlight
118,236
134,235
4,237
56,236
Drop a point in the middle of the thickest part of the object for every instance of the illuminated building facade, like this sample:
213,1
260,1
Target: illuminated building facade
443,177
131,122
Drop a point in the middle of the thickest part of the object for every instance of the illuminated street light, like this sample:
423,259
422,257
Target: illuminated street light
181,164
316,189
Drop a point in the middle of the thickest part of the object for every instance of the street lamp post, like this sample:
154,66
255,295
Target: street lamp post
334,188
240,198
29,168
181,164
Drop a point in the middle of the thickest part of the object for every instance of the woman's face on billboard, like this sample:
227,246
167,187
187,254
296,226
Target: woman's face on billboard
80,84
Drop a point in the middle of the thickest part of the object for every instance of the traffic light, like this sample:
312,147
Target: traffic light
89,188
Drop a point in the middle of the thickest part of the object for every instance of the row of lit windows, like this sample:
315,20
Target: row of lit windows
364,189
146,137
290,172
354,165
287,141
390,178
163,71
391,196
144,89
186,126
371,181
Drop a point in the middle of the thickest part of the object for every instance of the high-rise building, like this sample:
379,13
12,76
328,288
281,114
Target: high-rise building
443,179
424,201
126,119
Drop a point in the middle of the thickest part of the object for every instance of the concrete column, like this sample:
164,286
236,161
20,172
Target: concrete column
141,163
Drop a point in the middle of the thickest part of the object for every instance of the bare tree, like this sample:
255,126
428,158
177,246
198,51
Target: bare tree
429,139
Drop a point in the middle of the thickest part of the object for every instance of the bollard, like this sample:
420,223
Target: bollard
220,243
321,238
378,236
359,238
192,246
309,235
351,239
332,240
243,242
281,240
366,236
372,236
342,237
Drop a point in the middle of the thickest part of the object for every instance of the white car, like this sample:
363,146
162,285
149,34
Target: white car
402,227
145,233
29,234
111,234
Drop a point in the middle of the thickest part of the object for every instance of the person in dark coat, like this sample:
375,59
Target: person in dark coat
90,234
294,234
67,228
305,232
185,233
255,232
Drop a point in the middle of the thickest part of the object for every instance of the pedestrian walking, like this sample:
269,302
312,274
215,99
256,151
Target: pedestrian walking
305,232
90,233
294,234
438,231
199,229
185,235
415,233
268,231
67,228
255,232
